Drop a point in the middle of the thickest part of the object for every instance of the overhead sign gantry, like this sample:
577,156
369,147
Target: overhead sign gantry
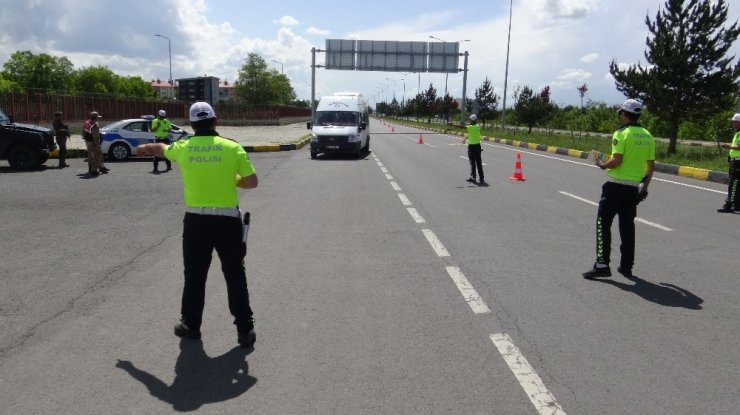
390,56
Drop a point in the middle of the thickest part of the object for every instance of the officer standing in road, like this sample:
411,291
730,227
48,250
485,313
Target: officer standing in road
630,168
91,135
212,168
731,203
474,150
161,127
61,132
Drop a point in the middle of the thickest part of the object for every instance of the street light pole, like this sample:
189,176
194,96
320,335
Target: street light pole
281,65
444,41
506,73
169,50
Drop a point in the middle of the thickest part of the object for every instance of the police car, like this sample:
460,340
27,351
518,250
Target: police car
120,139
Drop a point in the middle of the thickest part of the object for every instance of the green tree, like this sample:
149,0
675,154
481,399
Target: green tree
688,76
41,71
6,85
429,102
256,85
95,80
487,101
532,108
134,86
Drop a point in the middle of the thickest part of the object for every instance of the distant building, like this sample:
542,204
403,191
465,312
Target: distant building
226,91
202,88
164,89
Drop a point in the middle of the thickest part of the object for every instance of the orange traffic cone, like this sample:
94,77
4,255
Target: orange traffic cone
421,140
518,176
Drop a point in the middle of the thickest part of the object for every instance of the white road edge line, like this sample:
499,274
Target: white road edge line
468,292
388,176
544,401
416,140
384,170
723,192
641,220
415,214
405,200
395,186
435,243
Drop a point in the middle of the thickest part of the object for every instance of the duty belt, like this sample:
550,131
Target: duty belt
232,212
624,182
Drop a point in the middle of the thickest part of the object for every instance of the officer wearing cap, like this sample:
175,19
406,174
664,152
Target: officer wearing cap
474,149
212,168
731,203
161,127
91,135
630,169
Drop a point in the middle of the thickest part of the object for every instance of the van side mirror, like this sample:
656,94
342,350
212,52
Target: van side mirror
363,125
308,125
11,118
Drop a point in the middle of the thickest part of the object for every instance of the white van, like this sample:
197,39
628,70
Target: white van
341,125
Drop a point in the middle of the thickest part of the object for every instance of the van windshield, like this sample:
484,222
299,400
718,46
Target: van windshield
336,118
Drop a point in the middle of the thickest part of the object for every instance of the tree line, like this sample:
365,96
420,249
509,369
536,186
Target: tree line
26,71
689,84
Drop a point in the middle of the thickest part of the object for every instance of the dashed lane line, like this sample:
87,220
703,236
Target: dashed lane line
435,243
415,214
468,292
543,401
641,220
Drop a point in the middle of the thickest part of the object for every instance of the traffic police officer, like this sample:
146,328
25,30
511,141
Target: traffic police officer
212,168
630,168
161,127
474,150
731,203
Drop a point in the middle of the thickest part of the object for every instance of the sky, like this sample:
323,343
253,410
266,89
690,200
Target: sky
558,43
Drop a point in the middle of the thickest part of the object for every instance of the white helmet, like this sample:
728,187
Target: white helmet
162,113
473,117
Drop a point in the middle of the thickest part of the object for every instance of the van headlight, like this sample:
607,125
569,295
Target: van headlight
314,138
352,138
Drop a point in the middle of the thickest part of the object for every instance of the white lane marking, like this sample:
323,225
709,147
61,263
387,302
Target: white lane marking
389,177
415,214
653,224
384,170
591,165
405,200
468,292
579,198
417,140
544,401
722,192
435,243
380,164
463,157
395,186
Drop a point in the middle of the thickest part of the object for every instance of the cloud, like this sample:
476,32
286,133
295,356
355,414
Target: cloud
591,57
318,32
551,10
287,21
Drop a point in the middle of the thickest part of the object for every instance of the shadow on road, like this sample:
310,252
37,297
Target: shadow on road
199,379
663,294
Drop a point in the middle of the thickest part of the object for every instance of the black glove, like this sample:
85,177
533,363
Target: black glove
641,196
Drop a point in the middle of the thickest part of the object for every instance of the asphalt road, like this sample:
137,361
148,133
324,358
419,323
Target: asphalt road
381,285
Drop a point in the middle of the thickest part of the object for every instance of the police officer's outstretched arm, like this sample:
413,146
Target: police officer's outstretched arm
153,149
248,182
